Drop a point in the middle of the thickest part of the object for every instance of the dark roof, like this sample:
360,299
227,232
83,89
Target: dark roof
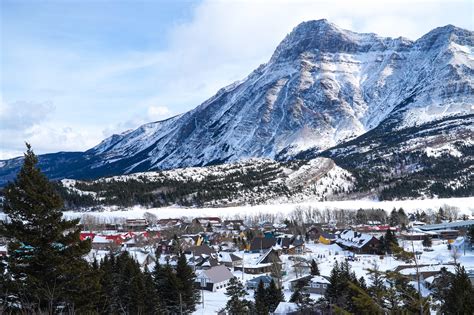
259,243
200,250
264,279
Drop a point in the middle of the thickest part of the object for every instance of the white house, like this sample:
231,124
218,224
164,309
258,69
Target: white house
213,278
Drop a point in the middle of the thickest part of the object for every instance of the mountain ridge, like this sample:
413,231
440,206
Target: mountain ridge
322,87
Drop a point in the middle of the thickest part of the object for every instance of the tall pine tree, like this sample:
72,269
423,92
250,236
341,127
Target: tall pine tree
187,288
314,268
274,296
460,296
46,270
261,306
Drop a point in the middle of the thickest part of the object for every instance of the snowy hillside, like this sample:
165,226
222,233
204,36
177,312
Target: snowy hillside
251,182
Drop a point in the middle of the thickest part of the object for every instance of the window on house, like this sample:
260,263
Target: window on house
325,285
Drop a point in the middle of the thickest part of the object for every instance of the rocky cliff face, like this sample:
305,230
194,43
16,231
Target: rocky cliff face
322,87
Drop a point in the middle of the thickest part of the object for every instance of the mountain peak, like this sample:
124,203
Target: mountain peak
445,34
322,36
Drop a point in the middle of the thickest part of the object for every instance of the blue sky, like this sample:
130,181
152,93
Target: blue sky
74,72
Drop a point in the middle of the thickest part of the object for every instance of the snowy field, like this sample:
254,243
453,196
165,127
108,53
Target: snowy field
464,205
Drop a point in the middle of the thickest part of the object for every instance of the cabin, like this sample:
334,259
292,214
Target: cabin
214,278
317,285
357,242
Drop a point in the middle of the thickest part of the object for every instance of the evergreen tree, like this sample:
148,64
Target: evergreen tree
363,302
237,305
261,305
470,234
427,241
441,285
377,289
394,220
187,289
390,241
169,290
338,292
150,295
274,296
302,299
459,298
314,268
45,265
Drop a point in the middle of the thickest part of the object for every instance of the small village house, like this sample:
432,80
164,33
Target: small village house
214,278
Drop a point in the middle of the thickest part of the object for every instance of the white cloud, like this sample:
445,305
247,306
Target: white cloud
158,112
25,121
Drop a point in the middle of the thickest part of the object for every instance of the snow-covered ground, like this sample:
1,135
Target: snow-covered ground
326,255
464,205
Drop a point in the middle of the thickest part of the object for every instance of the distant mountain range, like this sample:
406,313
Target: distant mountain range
389,110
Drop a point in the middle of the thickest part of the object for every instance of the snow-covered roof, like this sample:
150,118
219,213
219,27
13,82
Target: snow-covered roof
101,239
412,271
228,257
319,279
352,238
216,274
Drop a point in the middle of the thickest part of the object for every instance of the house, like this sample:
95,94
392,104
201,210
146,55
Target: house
357,242
102,243
293,245
317,285
135,225
205,221
313,232
326,238
299,282
214,278
204,262
317,234
253,284
170,222
229,260
417,235
262,264
261,244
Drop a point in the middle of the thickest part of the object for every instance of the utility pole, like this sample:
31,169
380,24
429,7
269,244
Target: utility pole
417,276
180,305
243,254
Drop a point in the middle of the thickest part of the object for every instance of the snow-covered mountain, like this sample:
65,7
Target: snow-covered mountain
322,88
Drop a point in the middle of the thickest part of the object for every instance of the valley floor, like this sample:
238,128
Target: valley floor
464,205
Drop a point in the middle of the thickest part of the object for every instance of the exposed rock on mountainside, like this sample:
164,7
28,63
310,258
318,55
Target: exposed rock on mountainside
357,98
